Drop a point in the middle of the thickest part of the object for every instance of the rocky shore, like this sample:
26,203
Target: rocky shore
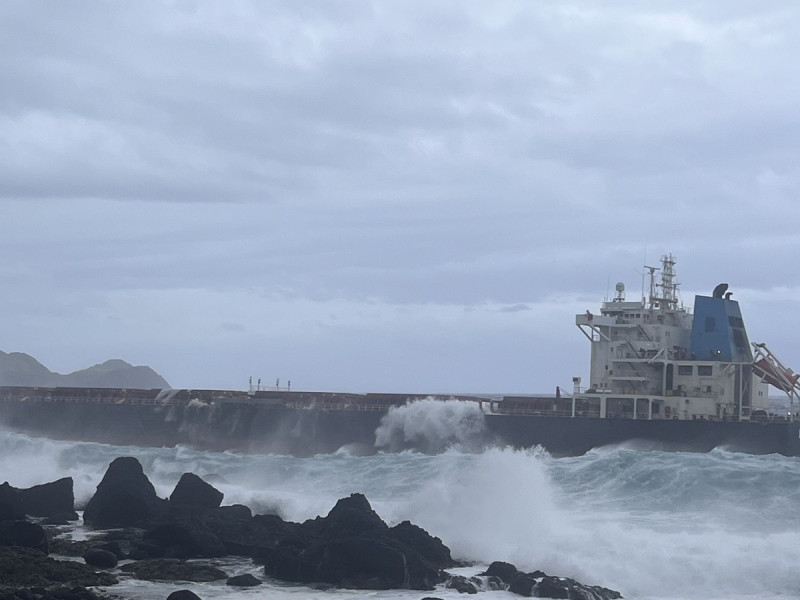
178,539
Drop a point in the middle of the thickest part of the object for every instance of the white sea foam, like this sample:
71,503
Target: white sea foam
432,426
651,524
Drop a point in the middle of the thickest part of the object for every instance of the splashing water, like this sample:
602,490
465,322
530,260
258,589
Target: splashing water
433,426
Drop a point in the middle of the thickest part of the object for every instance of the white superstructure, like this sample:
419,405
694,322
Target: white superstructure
656,359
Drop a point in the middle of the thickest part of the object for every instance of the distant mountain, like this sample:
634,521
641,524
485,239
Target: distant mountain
17,368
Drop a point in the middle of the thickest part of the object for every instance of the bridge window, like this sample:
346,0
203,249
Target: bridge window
705,370
685,369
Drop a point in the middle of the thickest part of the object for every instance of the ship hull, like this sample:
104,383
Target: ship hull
277,428
565,436
236,427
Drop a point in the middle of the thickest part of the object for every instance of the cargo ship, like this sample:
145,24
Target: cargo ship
662,376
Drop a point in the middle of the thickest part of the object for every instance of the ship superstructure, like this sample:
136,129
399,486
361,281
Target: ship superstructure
655,359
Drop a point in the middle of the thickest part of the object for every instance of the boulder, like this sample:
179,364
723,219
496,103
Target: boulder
55,500
463,585
23,534
183,595
502,570
193,491
124,498
100,558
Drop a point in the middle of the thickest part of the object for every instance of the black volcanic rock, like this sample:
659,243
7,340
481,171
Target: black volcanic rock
193,491
172,569
427,545
24,567
183,595
185,537
352,547
100,558
23,534
10,503
539,585
124,498
502,570
55,500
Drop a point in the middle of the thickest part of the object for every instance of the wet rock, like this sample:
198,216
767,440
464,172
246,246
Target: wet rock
539,585
246,580
100,558
185,537
463,585
24,567
125,497
55,500
52,593
172,569
183,595
10,503
421,541
352,547
502,570
193,491
24,534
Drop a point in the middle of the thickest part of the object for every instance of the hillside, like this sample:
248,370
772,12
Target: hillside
17,368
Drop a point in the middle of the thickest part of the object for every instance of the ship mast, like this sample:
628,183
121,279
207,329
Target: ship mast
668,299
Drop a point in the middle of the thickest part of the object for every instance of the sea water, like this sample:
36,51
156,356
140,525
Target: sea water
653,525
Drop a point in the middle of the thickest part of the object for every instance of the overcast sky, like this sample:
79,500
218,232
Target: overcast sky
408,196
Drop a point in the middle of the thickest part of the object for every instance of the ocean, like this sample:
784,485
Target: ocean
651,524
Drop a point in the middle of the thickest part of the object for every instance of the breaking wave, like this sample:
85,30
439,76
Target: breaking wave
433,426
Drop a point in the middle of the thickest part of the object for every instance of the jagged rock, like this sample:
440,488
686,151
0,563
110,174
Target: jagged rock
23,534
24,567
183,595
352,547
55,500
463,585
172,569
193,491
185,537
253,536
522,584
100,558
246,580
539,585
429,546
564,587
10,503
124,498
349,516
